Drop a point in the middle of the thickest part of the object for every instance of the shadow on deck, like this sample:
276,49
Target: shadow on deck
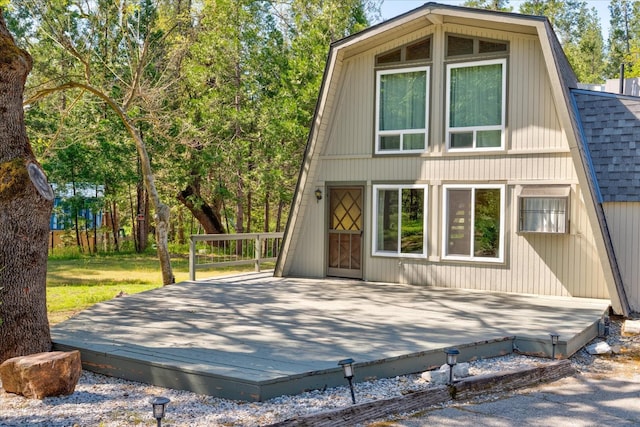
255,337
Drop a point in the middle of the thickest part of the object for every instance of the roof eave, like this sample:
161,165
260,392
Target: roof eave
563,80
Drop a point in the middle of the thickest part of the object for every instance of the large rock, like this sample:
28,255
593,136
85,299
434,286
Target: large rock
42,375
441,376
598,348
631,327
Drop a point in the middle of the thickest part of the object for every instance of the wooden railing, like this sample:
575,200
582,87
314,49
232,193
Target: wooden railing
221,250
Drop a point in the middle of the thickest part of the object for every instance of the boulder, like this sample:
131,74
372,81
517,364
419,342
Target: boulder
631,327
598,348
441,376
42,375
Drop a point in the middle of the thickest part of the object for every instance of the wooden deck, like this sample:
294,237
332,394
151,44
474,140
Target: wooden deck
254,337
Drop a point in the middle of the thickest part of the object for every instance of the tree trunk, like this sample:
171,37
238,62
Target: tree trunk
115,225
26,201
279,216
180,232
206,215
142,217
162,211
134,221
266,212
76,219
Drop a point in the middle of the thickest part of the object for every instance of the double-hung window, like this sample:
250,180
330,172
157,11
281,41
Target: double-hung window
402,110
400,220
474,222
476,105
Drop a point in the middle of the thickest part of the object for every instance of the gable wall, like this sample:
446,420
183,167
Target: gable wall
537,153
623,220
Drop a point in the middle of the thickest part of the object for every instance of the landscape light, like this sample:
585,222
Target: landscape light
452,360
554,341
159,404
347,367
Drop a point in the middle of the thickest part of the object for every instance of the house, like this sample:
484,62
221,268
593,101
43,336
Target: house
76,209
450,147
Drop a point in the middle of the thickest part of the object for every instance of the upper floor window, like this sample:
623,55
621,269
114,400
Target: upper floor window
400,220
416,51
476,95
460,46
402,98
402,110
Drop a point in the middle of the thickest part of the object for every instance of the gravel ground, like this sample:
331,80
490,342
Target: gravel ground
103,401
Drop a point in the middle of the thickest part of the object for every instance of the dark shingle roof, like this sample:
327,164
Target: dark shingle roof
610,126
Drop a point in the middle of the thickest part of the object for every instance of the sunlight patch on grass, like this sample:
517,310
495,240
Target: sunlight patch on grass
78,297
74,284
77,283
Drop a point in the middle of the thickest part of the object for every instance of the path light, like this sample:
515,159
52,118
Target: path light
554,341
159,404
347,367
318,194
452,360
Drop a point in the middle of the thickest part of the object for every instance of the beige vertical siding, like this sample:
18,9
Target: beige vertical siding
309,257
537,152
623,220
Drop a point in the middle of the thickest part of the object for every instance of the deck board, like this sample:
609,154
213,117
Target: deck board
253,336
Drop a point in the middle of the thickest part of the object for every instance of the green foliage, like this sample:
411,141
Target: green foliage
501,5
623,25
624,38
223,95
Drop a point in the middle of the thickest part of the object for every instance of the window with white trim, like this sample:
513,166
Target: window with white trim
400,220
474,218
402,110
475,105
544,210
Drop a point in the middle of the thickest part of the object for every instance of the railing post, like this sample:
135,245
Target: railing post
257,251
192,259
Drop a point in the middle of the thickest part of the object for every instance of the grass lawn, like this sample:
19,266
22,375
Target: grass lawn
76,283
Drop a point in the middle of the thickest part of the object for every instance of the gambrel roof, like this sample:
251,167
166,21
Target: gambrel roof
583,115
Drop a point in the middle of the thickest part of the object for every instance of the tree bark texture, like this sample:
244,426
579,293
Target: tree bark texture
162,211
142,217
26,201
206,215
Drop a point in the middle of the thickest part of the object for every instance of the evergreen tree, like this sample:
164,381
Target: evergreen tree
500,5
580,34
624,38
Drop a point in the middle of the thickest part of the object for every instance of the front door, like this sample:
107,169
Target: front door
345,232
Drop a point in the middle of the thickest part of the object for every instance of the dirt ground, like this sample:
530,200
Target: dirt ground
624,361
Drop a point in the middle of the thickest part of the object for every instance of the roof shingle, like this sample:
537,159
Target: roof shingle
611,130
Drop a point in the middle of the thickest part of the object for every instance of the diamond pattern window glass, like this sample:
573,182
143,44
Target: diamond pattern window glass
346,212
